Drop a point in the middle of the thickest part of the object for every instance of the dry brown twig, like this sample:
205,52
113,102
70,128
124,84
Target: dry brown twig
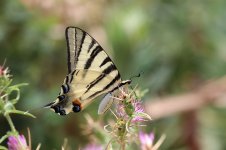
212,92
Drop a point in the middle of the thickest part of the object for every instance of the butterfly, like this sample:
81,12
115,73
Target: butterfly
91,73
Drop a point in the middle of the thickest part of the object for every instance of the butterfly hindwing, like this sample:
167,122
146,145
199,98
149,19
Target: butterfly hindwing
92,85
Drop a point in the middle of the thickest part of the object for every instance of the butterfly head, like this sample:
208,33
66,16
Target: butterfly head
125,82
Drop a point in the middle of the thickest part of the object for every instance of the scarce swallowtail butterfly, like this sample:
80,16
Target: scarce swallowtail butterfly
90,73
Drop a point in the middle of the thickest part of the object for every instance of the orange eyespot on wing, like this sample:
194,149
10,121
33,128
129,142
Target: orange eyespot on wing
77,107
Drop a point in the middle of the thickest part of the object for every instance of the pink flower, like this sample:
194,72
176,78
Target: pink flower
146,140
134,107
17,143
138,109
93,147
4,72
1,70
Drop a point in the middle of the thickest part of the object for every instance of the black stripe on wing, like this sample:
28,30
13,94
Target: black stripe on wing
106,87
106,60
75,38
72,76
75,51
106,71
91,44
94,53
68,49
80,45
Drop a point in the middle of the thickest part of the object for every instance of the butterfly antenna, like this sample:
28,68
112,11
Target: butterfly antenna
136,76
34,109
38,108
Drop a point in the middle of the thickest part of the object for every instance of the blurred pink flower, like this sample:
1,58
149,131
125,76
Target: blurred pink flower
17,143
146,140
93,147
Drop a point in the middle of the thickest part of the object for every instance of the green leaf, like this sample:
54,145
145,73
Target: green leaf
3,147
3,138
1,105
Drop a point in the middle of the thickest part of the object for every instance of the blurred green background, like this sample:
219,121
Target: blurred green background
177,44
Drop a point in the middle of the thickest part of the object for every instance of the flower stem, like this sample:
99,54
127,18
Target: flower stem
3,138
123,146
8,118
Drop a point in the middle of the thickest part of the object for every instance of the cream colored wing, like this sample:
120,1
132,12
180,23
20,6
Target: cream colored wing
84,52
92,85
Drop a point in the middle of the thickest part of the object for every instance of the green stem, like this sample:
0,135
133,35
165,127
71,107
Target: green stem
10,122
3,138
123,146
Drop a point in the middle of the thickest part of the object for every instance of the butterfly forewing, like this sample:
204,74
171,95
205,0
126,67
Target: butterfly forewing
84,52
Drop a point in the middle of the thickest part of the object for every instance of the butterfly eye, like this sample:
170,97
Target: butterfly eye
61,97
76,108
